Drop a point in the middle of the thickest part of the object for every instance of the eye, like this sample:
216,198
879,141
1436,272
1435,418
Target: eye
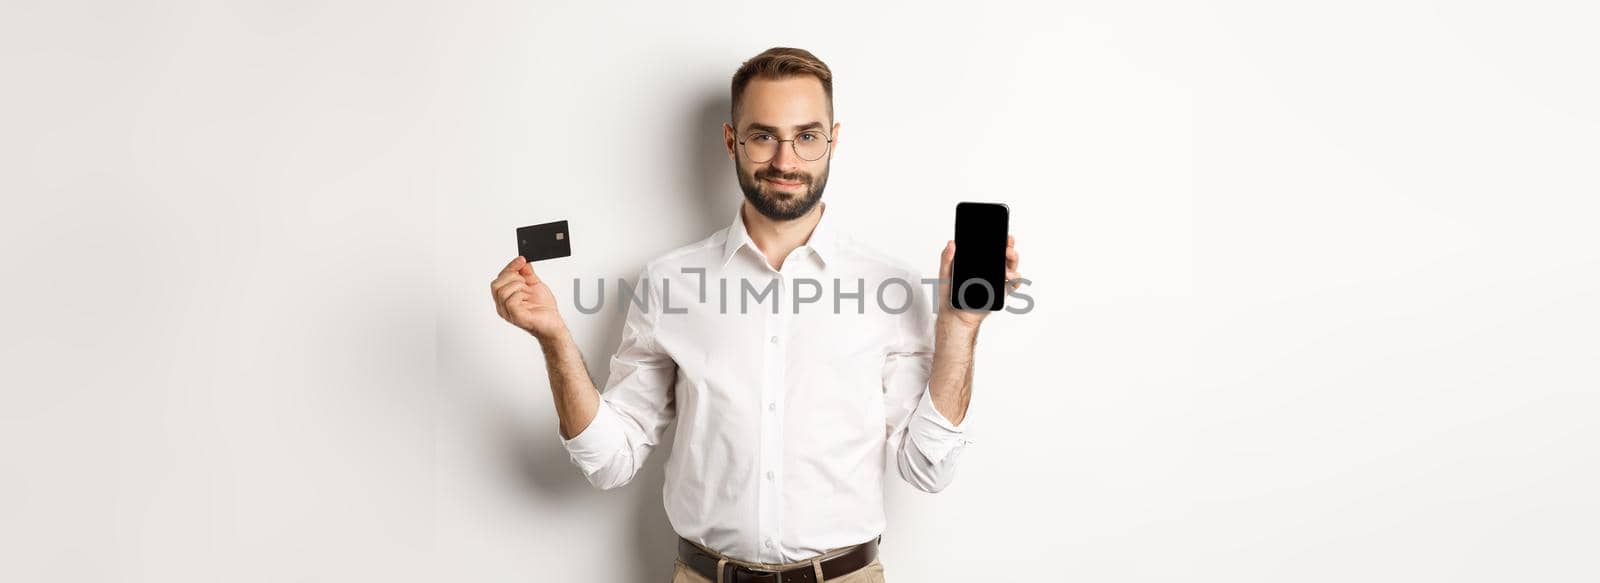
810,137
761,137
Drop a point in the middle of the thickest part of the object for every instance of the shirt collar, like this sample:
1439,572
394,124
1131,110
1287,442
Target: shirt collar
823,241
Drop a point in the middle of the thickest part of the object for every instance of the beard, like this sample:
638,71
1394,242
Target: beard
781,205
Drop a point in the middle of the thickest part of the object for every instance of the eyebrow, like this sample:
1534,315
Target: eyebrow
766,128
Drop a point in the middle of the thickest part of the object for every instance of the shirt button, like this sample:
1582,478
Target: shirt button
769,543
769,474
774,340
772,406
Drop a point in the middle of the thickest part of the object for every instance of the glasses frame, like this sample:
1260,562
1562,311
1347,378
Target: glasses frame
793,147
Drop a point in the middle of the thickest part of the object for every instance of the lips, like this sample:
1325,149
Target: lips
784,184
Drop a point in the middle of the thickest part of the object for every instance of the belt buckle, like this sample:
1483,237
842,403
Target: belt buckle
760,575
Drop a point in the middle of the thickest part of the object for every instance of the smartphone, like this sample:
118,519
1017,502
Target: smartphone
978,271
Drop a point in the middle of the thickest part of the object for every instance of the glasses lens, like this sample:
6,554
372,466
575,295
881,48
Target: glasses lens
761,148
810,145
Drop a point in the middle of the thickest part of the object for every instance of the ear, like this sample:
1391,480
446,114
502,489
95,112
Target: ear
729,140
834,147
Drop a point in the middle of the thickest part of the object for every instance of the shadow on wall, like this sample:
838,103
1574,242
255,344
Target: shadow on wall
536,454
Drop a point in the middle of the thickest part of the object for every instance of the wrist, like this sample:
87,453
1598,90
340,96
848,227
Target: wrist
550,338
950,323
948,331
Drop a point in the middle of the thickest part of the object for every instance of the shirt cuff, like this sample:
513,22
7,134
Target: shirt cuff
593,447
933,433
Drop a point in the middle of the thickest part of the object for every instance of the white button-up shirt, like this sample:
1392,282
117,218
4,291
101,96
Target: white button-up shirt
791,402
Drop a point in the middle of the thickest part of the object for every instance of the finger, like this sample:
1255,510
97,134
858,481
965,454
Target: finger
508,282
494,294
505,292
1012,259
946,258
528,275
1011,241
512,267
503,278
518,298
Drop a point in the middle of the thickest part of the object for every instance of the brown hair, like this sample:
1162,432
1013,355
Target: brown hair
781,63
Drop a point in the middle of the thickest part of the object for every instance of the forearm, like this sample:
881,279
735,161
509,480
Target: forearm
950,384
576,399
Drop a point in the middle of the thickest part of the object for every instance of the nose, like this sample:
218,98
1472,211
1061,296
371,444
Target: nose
786,160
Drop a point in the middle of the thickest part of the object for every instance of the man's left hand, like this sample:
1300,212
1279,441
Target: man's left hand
948,314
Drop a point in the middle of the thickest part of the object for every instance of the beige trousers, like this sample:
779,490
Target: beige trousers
872,573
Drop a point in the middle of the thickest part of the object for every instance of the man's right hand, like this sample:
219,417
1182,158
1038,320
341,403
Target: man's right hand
525,301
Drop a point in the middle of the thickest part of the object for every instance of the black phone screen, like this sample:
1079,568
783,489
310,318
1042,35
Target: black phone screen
978,272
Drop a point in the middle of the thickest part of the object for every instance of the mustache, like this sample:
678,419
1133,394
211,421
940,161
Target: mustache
801,178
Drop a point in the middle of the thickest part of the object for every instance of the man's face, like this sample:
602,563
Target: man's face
787,186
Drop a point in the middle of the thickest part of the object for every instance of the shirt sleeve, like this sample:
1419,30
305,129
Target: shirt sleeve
925,445
637,403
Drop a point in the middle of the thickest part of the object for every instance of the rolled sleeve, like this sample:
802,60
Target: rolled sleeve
933,434
594,447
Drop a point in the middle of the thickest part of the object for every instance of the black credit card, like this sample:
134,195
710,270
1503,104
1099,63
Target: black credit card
544,241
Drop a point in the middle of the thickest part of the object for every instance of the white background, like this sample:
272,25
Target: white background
1317,289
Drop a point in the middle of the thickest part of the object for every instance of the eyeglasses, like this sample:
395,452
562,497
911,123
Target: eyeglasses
809,146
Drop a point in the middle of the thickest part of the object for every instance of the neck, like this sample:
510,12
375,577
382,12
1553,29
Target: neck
777,239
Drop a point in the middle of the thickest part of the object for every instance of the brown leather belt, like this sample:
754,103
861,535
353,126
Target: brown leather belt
845,563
